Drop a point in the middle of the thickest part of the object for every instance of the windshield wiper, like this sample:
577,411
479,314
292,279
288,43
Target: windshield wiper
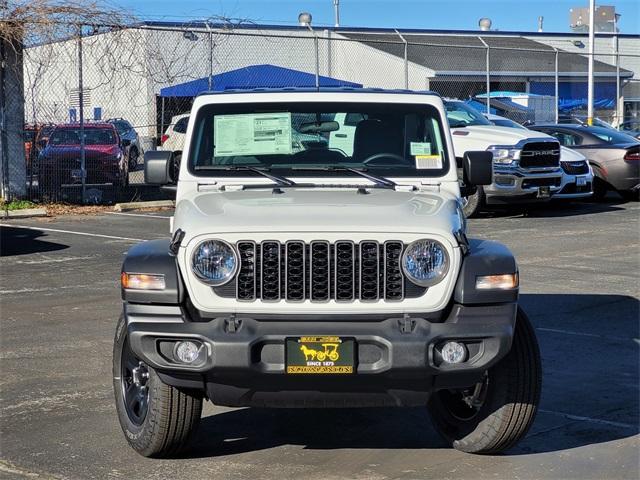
380,181
280,180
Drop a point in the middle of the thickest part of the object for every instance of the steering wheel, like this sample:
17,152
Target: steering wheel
376,156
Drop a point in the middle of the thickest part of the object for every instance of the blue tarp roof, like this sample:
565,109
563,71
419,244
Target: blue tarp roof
507,94
254,76
573,95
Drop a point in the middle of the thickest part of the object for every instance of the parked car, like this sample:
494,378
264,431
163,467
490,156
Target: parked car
577,175
631,127
174,135
526,163
130,140
105,157
322,279
614,156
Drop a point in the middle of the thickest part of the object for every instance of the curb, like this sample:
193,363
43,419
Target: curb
125,207
24,213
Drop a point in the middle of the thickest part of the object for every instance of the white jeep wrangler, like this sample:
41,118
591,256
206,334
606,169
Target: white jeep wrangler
322,277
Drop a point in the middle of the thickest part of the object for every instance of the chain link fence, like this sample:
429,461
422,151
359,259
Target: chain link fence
95,102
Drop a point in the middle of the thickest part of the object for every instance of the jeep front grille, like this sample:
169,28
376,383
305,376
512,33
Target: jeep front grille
320,271
540,155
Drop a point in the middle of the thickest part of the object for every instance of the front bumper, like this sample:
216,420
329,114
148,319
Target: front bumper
515,184
396,358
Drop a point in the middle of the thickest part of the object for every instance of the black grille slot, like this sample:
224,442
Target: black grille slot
575,168
320,271
540,155
270,271
369,271
246,279
393,278
295,271
345,271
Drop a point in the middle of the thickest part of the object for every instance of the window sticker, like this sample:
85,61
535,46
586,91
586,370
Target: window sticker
428,162
252,134
420,148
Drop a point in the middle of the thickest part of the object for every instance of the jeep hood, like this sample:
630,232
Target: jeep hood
493,135
315,210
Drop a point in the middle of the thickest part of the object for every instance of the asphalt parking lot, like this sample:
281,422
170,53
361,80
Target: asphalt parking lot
60,301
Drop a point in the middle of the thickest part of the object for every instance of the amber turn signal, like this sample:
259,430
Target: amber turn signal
506,281
142,281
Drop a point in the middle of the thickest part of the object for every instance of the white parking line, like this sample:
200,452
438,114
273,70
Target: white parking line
71,232
589,419
582,334
138,215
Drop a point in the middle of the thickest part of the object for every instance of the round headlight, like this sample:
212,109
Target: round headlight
425,262
214,262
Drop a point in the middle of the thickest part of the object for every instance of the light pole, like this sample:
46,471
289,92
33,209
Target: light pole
618,120
592,14
336,12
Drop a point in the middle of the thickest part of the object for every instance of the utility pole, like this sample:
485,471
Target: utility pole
592,15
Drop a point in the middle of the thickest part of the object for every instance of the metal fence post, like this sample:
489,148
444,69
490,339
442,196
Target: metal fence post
406,60
618,109
557,88
210,33
488,75
83,171
317,49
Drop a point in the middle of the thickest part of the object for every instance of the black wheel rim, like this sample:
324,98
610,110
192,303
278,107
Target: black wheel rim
134,376
464,404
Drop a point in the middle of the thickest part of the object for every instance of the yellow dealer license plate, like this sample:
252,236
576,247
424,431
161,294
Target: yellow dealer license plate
319,355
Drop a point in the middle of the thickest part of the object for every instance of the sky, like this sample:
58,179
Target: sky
506,15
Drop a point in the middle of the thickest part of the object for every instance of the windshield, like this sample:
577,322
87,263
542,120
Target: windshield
612,137
505,122
317,139
92,136
123,127
461,115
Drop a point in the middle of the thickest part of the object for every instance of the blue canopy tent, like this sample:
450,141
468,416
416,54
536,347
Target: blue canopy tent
573,95
254,76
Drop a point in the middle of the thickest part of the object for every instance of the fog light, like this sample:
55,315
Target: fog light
453,352
187,352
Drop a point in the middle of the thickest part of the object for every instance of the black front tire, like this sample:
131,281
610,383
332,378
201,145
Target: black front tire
509,398
473,203
600,189
161,425
133,158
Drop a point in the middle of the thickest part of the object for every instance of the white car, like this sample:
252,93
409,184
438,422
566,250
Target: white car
174,135
577,174
320,278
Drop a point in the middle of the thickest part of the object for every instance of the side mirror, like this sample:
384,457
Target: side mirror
477,168
157,167
126,143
